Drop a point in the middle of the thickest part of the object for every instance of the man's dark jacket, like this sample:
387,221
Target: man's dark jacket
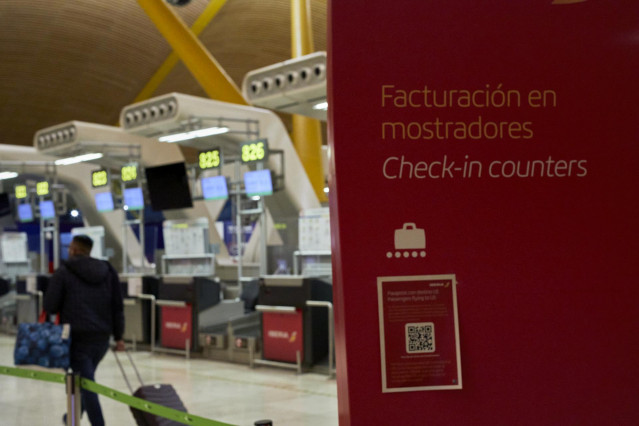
87,294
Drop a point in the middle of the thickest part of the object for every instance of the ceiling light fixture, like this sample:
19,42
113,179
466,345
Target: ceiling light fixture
201,133
8,175
322,106
78,159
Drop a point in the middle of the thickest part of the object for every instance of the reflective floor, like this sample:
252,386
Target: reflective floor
226,392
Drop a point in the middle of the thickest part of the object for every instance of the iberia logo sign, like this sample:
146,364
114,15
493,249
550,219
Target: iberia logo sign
171,325
284,335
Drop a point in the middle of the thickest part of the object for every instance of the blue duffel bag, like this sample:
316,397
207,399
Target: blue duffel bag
44,344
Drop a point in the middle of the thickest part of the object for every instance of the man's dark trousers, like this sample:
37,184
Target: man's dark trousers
85,357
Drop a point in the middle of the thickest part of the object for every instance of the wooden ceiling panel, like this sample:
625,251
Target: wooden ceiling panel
85,60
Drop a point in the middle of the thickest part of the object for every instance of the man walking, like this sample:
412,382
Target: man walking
86,293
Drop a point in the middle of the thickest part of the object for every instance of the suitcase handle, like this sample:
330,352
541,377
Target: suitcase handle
410,226
137,373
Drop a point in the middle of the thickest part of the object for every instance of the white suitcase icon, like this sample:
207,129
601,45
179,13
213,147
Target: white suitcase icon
410,241
410,237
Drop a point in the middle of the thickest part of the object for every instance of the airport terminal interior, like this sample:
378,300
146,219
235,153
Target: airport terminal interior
229,393
187,140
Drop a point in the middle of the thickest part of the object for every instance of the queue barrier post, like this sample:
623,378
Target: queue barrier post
74,399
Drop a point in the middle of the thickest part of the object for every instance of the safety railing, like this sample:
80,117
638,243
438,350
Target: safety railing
74,384
331,332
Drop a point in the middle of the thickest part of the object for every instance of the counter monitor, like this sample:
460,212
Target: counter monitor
215,188
168,187
25,213
47,209
133,198
104,201
258,182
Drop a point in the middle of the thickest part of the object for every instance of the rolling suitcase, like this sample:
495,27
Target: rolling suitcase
162,394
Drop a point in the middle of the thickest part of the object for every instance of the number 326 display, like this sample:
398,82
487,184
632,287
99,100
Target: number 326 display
254,151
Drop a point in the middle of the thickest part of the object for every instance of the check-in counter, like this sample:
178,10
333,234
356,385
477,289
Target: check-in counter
181,301
292,331
139,295
231,330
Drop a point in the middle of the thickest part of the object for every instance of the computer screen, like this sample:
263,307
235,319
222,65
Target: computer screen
258,182
168,187
25,213
133,198
5,206
47,209
215,188
104,201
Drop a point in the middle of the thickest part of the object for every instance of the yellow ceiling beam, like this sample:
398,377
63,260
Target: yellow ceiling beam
307,132
202,65
171,61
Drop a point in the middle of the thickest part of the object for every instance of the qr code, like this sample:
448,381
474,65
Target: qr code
420,337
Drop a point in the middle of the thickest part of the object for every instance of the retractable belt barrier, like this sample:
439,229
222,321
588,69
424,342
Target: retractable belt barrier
132,401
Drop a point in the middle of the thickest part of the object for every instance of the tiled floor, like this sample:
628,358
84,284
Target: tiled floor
226,392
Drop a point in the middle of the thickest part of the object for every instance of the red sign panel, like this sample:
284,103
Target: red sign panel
419,334
282,336
176,326
497,141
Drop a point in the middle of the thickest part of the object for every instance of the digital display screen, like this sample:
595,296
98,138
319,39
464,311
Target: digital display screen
42,188
47,209
168,187
104,201
21,191
25,213
215,188
133,198
258,182
5,205
210,159
254,151
99,178
129,173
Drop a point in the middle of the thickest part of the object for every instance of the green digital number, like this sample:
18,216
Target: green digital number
129,173
42,188
209,159
254,151
21,191
99,178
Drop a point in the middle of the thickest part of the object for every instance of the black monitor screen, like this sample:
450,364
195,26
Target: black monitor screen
5,208
168,187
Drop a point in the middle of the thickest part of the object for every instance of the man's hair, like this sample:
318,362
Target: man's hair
84,242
